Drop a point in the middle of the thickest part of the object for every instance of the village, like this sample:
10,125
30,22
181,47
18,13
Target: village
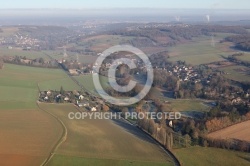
20,40
79,99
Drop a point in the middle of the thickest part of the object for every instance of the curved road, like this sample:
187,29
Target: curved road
64,135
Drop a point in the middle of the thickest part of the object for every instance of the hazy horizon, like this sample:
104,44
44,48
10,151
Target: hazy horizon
63,16
212,4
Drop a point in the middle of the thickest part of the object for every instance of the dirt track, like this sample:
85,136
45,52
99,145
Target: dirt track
27,137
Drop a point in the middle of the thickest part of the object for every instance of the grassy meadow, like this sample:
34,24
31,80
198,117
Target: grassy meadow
197,156
87,82
102,42
245,57
61,160
27,133
20,84
4,51
237,73
103,142
201,50
188,105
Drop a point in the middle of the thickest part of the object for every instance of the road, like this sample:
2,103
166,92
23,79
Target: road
135,127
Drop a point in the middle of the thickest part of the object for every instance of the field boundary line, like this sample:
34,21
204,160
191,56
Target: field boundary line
104,158
229,126
61,139
176,162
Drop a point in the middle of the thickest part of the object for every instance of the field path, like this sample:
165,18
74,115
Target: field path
60,141
138,130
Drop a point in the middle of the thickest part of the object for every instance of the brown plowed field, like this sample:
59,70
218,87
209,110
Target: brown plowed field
239,131
26,137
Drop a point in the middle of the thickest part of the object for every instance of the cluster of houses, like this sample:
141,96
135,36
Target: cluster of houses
237,98
184,73
75,97
20,40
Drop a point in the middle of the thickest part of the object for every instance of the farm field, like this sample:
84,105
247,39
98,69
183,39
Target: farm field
27,133
237,73
8,31
103,42
21,120
87,59
27,136
193,108
4,51
245,57
103,142
75,161
59,54
201,51
55,84
87,82
238,131
20,84
188,105
196,156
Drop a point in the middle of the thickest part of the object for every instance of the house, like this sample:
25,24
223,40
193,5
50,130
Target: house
93,109
46,98
66,99
170,123
247,95
149,101
49,93
58,96
83,104
81,97
236,100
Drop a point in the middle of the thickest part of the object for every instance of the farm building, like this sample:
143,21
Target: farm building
83,104
81,97
93,109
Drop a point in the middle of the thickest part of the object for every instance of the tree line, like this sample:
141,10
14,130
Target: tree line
170,36
242,42
1,63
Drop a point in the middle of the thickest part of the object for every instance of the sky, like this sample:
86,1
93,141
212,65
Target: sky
82,4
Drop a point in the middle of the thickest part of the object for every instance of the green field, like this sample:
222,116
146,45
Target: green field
55,84
237,73
179,105
61,160
197,156
245,57
19,84
71,56
27,133
103,142
87,82
188,105
99,43
4,51
201,50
